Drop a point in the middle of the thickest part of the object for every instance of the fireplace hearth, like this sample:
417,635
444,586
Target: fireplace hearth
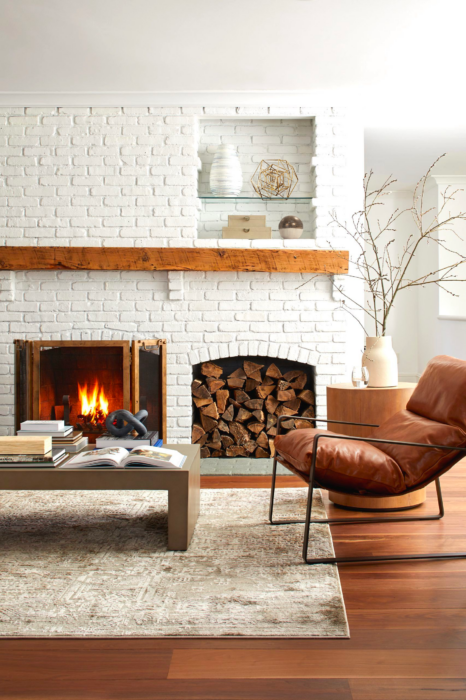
81,382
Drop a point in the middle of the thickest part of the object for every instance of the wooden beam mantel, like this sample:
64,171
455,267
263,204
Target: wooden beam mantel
174,259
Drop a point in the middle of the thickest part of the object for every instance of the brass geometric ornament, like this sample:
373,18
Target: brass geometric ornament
274,178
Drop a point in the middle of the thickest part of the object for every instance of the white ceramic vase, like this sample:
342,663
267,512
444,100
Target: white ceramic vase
380,359
226,176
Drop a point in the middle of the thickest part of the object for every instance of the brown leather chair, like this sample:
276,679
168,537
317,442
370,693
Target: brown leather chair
407,452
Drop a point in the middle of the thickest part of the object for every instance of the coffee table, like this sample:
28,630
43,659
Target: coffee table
183,486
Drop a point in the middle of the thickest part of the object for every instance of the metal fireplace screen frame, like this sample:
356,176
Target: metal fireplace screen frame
138,359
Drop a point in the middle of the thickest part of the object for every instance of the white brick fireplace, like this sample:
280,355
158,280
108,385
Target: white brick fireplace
131,177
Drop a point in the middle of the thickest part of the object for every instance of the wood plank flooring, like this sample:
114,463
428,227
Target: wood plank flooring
407,623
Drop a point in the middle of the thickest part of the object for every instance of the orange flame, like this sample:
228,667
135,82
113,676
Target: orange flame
94,406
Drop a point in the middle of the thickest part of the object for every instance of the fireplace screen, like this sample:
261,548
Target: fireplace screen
81,382
237,402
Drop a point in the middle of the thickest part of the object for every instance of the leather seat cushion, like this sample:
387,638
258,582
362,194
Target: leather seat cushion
419,464
346,465
441,392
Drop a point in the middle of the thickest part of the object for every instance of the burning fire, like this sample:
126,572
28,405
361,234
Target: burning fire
94,406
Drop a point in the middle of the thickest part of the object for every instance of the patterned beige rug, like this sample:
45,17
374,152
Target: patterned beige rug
96,564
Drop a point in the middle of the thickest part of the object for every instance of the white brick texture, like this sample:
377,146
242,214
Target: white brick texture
129,177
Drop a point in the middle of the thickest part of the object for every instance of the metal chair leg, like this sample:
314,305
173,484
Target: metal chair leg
354,521
272,497
272,489
310,496
357,521
394,557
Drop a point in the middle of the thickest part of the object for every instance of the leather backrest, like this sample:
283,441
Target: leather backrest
441,392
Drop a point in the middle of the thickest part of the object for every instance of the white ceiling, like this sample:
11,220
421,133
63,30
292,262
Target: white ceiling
400,62
154,45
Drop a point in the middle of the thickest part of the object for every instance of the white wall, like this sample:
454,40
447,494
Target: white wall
402,323
438,336
452,298
418,332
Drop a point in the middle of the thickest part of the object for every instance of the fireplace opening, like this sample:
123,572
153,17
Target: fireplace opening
237,402
85,383
81,382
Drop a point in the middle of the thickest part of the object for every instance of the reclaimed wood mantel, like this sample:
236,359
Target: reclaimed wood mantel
175,259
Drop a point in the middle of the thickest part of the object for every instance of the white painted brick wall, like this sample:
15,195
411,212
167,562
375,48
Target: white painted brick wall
129,177
116,176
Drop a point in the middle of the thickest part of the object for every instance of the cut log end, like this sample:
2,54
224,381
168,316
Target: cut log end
208,369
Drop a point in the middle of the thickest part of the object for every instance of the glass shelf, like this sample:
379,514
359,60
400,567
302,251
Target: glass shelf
307,198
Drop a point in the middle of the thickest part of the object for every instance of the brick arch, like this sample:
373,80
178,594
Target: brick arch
288,351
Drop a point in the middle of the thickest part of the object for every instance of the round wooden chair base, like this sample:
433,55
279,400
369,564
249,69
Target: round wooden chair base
381,504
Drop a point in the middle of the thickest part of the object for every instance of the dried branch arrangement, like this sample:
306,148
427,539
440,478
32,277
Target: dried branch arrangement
385,275
236,416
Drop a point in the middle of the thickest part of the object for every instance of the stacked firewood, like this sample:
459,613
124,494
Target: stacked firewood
236,415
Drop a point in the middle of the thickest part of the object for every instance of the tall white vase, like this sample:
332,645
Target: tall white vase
380,359
226,176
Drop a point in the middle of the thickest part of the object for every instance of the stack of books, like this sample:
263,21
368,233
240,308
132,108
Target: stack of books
62,435
74,442
29,451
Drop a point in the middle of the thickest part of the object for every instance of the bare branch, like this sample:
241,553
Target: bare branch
384,277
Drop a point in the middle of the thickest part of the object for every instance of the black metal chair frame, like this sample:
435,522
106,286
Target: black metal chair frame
352,521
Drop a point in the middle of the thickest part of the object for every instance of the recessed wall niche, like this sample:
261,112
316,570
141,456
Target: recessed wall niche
257,139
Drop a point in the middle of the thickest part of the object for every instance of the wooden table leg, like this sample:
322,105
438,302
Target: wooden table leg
183,508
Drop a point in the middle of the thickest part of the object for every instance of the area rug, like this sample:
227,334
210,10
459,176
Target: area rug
93,564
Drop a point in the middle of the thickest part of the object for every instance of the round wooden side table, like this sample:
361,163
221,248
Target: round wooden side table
370,405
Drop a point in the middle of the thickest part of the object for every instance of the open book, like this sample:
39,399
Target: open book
116,457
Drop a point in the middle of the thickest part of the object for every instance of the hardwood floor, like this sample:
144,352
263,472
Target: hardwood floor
407,623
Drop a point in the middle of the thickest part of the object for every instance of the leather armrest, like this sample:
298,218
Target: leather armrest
388,442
